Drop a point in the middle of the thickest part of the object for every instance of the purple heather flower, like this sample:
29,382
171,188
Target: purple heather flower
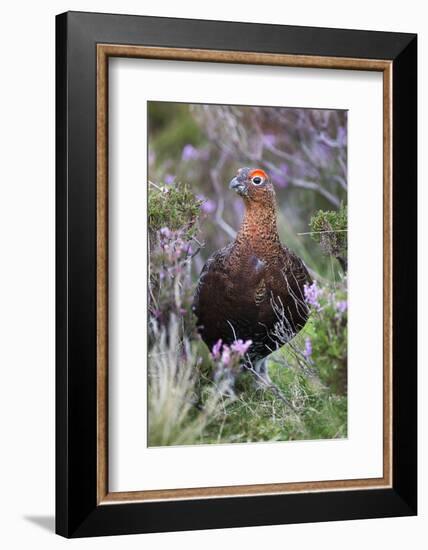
165,232
269,139
241,347
341,135
342,306
169,179
208,206
322,152
180,248
312,293
216,349
281,176
308,348
226,356
189,152
178,251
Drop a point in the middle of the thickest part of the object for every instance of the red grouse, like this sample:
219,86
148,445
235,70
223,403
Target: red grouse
243,286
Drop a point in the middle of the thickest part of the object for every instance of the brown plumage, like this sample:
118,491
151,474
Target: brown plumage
240,284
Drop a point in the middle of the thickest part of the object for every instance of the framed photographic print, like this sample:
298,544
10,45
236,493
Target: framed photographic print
236,274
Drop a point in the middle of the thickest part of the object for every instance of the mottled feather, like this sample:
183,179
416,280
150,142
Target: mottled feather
241,283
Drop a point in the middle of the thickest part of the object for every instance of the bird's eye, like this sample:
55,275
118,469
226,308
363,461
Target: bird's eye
257,180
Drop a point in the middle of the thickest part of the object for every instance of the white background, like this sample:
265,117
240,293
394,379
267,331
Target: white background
132,82
27,274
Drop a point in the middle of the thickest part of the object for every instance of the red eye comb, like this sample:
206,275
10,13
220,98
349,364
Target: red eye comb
258,172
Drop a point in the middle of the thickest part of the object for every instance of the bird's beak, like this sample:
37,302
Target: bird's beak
238,186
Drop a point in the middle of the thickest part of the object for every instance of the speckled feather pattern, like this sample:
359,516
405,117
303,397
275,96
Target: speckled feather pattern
238,283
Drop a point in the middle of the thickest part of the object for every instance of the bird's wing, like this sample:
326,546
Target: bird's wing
284,286
296,276
211,273
295,269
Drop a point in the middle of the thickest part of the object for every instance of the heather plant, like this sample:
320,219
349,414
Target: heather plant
170,283
173,206
326,334
173,220
198,395
330,230
301,148
227,362
321,348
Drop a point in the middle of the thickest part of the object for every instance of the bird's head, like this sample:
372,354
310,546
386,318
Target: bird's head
253,184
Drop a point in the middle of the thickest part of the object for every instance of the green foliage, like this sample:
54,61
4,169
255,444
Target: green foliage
174,207
313,383
194,411
171,128
330,231
328,333
258,415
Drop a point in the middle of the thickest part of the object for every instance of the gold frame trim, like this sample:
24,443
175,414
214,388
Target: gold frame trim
104,51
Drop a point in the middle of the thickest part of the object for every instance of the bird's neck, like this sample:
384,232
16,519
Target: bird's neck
258,232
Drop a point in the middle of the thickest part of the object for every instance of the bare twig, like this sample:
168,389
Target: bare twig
316,187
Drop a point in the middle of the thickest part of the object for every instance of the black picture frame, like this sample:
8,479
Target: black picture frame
77,511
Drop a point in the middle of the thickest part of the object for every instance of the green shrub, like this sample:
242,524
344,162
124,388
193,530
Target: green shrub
173,206
330,230
326,341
